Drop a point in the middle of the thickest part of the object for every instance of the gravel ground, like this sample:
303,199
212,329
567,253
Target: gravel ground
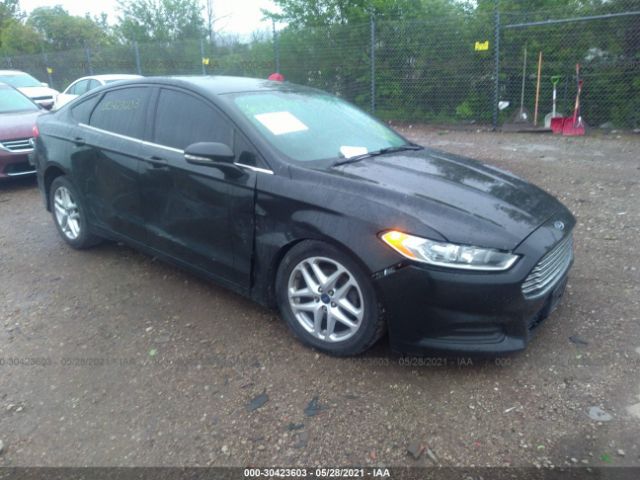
111,358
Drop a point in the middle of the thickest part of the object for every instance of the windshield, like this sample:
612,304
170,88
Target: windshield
315,126
13,101
19,81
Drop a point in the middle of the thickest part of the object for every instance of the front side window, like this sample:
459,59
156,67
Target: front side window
310,126
122,111
13,101
183,119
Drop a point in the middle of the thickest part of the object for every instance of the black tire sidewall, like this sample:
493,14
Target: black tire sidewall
368,332
85,239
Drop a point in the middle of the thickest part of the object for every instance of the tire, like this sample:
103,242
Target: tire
343,316
68,214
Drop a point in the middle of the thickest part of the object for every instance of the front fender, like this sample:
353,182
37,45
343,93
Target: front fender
288,211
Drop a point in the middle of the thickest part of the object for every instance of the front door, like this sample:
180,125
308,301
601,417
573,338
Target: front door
188,208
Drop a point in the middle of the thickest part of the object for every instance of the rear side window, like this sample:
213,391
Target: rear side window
93,84
182,119
122,111
82,111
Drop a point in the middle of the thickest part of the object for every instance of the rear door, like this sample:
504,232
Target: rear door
106,160
195,213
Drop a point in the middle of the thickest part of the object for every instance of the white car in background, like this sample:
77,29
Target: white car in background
86,84
36,90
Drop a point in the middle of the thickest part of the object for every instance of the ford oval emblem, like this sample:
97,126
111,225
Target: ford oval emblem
559,225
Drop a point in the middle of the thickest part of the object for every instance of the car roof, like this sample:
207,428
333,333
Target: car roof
221,84
110,76
115,76
12,72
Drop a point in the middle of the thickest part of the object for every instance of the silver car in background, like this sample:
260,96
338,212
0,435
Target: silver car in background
33,88
86,84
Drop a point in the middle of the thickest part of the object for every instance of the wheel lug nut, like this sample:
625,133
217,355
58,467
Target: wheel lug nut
317,299
324,308
319,289
330,292
333,304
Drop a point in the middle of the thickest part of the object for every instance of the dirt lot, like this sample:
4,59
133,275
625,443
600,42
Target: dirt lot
112,358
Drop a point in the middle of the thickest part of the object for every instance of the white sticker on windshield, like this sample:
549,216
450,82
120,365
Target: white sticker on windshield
280,123
349,152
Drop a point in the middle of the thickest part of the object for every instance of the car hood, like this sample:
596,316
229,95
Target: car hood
35,92
18,125
464,200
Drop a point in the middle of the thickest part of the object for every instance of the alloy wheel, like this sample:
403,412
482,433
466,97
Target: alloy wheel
67,213
326,299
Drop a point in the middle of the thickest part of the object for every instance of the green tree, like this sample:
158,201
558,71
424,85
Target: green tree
160,20
18,38
62,31
9,9
314,13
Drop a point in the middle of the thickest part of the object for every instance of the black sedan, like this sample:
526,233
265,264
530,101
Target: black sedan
301,201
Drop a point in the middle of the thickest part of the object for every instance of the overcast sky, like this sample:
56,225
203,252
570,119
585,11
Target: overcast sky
236,16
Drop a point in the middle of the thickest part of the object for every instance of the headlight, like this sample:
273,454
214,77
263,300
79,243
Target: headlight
448,255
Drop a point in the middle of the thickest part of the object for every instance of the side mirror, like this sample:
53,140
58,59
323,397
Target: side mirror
212,154
208,153
44,84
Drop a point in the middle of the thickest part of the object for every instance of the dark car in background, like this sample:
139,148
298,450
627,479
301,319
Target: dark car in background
17,118
299,200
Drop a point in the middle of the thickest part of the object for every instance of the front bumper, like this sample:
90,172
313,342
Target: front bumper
15,164
453,311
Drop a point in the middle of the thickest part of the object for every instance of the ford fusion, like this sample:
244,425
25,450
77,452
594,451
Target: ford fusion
301,201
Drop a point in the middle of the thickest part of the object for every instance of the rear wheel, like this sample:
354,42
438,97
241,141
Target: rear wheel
327,299
69,214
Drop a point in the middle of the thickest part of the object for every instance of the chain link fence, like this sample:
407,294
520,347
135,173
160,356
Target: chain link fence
444,71
606,46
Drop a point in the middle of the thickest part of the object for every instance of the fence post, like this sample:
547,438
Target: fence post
496,72
204,68
276,46
373,63
136,52
47,67
87,53
9,63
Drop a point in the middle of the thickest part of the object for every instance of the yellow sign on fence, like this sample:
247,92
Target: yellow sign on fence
205,60
49,70
482,46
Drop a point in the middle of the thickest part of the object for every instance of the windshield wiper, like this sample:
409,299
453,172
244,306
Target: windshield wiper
375,153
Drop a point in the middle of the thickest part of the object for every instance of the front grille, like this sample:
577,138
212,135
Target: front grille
549,269
18,146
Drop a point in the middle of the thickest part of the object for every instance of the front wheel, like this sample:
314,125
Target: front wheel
69,214
327,299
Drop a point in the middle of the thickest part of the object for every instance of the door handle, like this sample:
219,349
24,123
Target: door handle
79,141
157,162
